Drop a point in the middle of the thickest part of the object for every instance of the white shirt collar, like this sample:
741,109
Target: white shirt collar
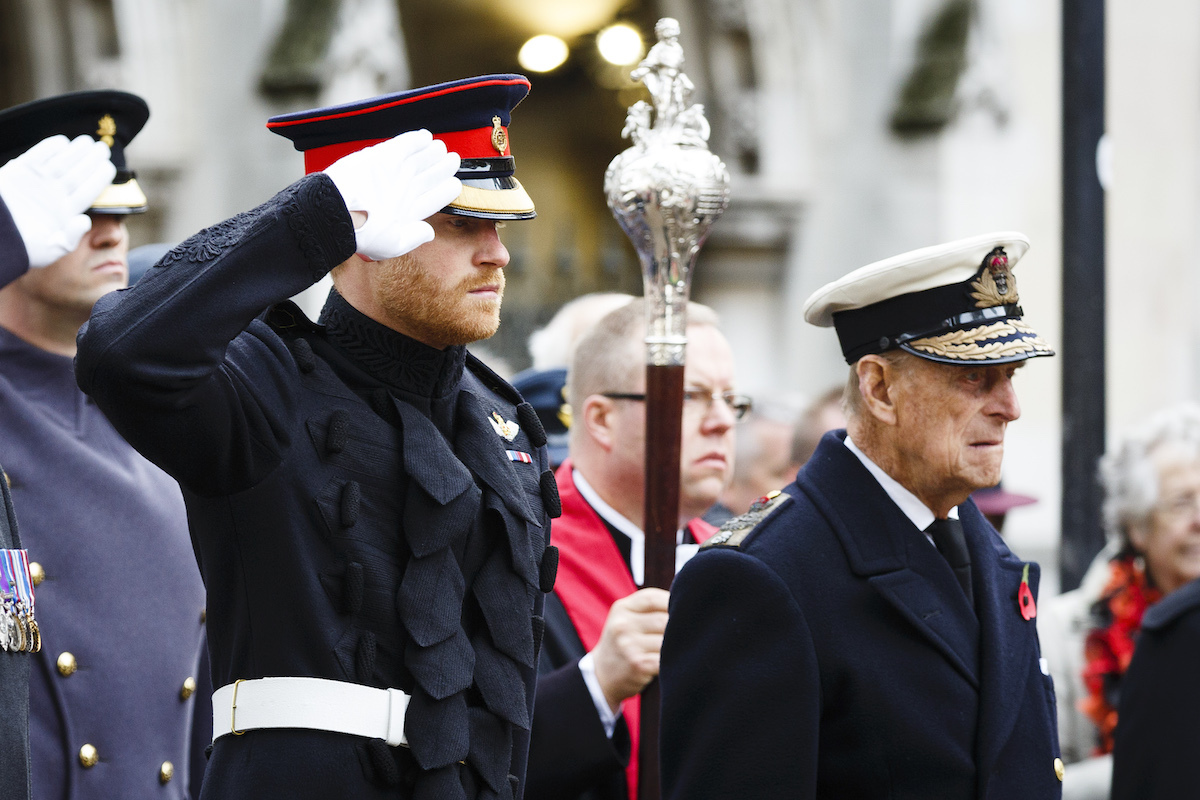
913,508
637,539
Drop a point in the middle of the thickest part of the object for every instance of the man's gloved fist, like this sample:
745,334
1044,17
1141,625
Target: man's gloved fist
48,187
397,184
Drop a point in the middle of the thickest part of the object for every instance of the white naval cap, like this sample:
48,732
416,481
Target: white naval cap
955,303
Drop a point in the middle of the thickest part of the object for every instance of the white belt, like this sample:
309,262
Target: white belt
313,703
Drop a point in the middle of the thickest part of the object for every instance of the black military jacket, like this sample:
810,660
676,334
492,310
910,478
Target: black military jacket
1158,728
354,509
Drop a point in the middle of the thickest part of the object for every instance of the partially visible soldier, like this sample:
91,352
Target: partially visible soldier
43,194
603,632
119,599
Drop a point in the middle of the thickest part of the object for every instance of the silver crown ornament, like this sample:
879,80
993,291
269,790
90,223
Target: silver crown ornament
666,191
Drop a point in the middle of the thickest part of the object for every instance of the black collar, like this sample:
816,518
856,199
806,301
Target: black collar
396,360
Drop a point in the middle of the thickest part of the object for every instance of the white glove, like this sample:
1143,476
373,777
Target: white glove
398,184
48,187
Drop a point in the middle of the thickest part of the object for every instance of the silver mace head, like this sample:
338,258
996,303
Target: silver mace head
666,191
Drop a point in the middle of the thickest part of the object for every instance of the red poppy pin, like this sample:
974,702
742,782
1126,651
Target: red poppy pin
1025,602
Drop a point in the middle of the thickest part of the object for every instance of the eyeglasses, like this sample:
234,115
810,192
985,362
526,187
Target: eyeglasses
1182,506
739,404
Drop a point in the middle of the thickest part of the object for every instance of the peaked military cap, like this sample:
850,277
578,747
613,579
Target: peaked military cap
108,116
954,303
470,115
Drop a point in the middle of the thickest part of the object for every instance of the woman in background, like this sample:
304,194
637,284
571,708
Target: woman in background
1151,480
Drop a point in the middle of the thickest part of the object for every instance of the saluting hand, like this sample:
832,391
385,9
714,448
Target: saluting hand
396,184
626,657
48,187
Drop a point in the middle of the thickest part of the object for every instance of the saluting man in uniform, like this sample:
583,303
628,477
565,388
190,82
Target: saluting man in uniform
43,194
370,505
119,599
866,633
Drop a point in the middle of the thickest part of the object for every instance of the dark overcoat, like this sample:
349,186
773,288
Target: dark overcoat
833,654
1158,728
571,757
14,667
353,507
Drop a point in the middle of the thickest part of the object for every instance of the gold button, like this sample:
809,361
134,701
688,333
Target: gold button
1059,769
67,665
88,756
36,573
203,615
189,688
166,772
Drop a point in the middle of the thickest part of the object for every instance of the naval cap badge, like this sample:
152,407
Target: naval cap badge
506,428
995,285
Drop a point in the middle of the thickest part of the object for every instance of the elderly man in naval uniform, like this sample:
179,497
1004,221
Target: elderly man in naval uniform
369,504
866,633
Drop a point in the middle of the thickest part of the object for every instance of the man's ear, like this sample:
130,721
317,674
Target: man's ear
597,419
877,379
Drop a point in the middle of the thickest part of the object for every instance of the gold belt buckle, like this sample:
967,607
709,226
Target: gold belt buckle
233,712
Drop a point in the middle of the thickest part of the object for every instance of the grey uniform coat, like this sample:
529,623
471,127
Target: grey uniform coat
14,667
355,510
121,604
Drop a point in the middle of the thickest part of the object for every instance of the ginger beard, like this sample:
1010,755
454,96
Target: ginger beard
430,311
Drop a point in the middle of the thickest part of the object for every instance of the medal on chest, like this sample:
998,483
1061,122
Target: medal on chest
19,630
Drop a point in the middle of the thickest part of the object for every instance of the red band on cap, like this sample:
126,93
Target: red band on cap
319,158
475,143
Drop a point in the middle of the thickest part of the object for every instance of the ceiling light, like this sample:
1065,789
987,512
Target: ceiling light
620,44
542,53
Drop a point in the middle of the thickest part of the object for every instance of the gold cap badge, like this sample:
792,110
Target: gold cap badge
107,129
996,286
499,136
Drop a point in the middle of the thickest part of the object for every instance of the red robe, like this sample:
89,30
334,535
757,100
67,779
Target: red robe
592,576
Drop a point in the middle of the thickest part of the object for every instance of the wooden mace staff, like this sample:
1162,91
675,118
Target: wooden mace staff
665,191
